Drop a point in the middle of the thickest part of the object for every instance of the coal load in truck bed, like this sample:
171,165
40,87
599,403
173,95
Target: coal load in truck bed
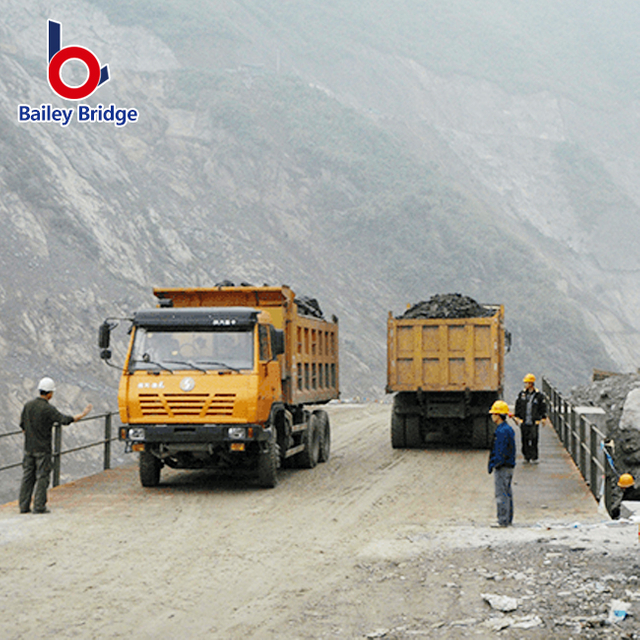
309,307
447,305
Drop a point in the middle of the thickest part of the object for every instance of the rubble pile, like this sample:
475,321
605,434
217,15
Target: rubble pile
447,305
608,394
550,590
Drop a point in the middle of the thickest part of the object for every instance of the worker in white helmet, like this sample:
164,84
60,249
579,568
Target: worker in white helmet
37,420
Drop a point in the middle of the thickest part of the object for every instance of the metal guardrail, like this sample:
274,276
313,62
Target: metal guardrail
581,438
57,446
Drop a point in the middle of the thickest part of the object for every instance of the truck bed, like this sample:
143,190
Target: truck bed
445,354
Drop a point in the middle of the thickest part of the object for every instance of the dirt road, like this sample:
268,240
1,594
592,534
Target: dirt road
375,543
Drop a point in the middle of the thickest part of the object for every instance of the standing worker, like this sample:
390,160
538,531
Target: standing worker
37,420
530,410
502,461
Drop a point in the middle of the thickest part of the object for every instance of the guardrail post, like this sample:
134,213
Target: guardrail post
561,433
583,452
571,426
575,443
554,412
568,430
107,441
57,452
594,449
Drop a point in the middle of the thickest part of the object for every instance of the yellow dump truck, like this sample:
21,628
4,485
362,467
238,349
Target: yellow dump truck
446,373
221,378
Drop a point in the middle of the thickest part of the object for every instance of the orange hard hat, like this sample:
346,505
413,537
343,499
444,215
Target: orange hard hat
625,481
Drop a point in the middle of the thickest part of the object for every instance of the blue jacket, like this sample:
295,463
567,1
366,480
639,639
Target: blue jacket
503,447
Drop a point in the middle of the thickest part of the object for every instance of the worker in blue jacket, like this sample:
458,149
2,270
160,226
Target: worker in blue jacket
502,461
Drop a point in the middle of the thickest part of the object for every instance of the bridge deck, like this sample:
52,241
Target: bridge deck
208,556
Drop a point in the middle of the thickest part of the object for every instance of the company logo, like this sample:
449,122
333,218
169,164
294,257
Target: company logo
187,384
96,76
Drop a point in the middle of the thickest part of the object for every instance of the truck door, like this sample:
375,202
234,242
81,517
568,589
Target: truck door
270,390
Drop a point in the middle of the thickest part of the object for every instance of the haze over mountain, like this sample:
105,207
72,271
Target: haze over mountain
367,154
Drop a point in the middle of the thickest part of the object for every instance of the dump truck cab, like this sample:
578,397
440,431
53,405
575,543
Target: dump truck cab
201,365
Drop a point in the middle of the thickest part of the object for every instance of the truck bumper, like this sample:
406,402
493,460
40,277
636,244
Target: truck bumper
168,439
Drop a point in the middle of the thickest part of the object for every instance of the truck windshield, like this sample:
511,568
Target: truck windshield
179,350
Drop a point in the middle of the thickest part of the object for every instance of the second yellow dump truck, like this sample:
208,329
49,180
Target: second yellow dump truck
446,373
222,378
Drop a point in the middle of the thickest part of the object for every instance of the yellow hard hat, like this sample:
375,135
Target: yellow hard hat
529,378
626,480
499,406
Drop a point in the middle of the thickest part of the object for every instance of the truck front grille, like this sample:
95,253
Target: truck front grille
192,405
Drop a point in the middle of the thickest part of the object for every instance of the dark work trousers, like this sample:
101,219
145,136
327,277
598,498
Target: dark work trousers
529,441
36,471
502,477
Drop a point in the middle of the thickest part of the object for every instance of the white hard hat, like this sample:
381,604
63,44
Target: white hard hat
47,385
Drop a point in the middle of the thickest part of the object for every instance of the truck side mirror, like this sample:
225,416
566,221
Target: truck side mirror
277,342
105,354
104,335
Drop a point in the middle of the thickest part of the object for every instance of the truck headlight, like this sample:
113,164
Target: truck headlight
237,432
136,433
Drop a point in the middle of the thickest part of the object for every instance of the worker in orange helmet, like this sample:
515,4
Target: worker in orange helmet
530,411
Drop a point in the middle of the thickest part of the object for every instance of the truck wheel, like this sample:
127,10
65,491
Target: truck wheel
268,463
398,440
412,432
325,435
311,440
149,467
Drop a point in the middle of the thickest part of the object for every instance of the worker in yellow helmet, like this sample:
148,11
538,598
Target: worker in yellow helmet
530,410
502,461
625,490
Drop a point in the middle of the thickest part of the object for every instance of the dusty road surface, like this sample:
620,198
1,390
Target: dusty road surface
375,543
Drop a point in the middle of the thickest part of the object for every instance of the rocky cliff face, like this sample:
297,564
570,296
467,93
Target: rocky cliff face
558,167
564,173
369,183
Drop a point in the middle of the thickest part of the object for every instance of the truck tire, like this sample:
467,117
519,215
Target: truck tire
268,463
480,438
324,451
308,458
412,431
398,439
149,467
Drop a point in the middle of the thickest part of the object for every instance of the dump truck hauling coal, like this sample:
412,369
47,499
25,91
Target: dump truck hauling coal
221,378
445,363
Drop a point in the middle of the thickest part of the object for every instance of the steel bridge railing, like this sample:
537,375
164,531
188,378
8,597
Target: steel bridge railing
58,451
581,438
